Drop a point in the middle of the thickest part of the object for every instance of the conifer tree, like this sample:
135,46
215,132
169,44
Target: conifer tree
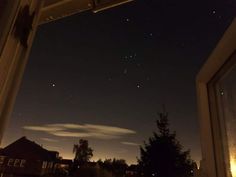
163,155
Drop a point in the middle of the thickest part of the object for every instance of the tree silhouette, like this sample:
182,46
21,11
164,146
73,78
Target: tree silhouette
163,155
119,167
116,166
83,153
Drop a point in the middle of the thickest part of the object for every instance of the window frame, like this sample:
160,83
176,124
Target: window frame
10,162
2,159
213,163
17,162
22,163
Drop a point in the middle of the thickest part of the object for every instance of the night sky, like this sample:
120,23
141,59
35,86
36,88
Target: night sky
105,76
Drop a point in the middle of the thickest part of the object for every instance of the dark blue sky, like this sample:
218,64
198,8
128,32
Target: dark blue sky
116,69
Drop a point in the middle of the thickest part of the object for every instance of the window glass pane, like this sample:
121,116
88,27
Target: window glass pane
226,93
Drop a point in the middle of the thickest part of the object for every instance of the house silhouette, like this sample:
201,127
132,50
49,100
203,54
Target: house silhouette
26,158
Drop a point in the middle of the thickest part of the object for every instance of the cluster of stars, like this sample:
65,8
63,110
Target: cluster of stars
127,57
131,59
215,14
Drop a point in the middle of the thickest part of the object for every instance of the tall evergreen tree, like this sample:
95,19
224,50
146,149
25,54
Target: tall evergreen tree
163,155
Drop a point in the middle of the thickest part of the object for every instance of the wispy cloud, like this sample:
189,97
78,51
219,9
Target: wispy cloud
130,143
70,134
52,147
82,130
43,128
49,139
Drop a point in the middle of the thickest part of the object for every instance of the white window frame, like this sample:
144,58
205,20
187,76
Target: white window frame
44,165
17,162
213,163
22,163
2,159
10,162
50,164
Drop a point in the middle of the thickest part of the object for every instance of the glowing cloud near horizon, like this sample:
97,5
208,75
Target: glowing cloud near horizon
130,143
82,130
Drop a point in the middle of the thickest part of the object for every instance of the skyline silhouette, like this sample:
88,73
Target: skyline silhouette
104,76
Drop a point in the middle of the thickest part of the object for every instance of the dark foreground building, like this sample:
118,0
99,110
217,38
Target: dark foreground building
26,158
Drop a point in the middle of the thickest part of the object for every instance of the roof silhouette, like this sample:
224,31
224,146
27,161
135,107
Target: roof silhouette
26,149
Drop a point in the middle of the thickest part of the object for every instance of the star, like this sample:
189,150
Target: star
214,12
53,84
127,19
138,86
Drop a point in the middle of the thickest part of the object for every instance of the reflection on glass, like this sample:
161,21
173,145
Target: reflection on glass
226,93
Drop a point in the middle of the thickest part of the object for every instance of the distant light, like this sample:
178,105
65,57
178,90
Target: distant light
213,11
127,19
53,85
138,86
